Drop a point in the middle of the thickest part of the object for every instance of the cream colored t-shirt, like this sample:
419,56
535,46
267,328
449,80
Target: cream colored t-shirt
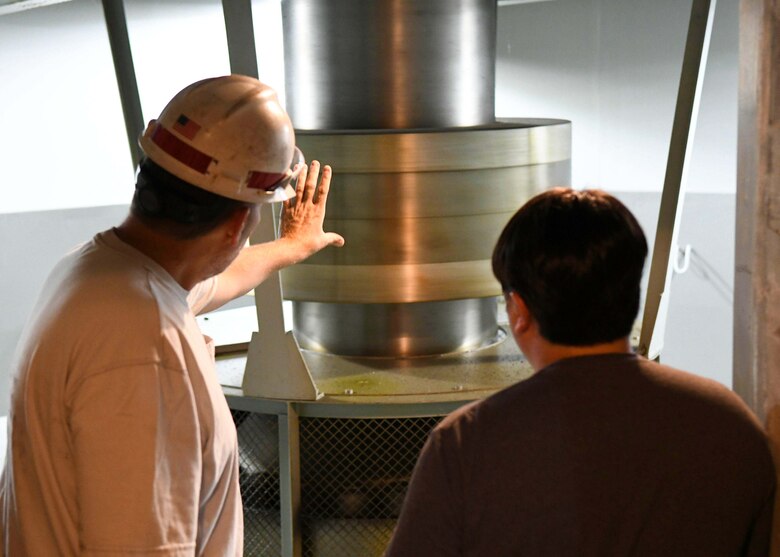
120,439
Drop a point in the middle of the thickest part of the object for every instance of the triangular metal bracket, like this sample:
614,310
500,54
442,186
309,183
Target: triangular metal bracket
275,368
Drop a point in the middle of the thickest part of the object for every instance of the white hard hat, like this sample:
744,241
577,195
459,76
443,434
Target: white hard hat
228,135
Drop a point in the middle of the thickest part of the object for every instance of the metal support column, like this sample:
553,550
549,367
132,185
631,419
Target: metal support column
290,481
678,162
240,36
118,38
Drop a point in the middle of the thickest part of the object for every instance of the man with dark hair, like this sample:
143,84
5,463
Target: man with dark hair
600,452
120,439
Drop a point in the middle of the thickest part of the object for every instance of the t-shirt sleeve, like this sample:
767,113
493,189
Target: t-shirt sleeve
202,293
430,523
136,446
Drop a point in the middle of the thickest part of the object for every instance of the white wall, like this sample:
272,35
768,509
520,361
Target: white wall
66,165
613,68
62,138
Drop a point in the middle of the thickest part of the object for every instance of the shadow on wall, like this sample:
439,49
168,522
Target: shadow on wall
705,271
36,242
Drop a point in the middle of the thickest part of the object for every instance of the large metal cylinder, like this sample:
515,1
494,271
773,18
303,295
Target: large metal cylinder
421,212
398,97
357,64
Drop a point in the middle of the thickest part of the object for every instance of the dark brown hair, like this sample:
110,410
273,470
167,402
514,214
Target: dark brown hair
576,259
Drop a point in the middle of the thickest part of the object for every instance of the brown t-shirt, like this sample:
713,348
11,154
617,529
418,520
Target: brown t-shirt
594,456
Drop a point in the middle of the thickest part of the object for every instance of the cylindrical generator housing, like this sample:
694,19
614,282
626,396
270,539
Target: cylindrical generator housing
399,98
421,212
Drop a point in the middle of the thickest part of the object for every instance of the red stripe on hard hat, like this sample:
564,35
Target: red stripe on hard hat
264,180
181,151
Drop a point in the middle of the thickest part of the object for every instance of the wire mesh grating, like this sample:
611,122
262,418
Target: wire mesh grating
354,473
258,449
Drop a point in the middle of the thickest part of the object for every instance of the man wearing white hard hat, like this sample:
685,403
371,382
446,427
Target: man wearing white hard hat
120,440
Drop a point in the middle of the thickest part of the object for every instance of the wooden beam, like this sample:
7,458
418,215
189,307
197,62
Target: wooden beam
757,257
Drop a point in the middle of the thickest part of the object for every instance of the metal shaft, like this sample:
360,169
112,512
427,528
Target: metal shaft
353,64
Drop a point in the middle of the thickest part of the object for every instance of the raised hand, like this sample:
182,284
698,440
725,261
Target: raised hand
303,215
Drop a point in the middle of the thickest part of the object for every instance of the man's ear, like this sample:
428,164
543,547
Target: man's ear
235,224
520,318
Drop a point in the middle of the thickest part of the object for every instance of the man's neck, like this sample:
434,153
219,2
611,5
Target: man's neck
545,353
175,256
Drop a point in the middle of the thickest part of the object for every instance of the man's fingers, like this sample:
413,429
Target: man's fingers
324,187
300,183
311,181
306,213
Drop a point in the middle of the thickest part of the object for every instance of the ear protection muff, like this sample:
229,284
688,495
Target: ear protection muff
160,201
149,201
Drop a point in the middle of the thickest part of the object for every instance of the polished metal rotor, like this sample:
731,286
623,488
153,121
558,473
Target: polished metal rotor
421,211
400,329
